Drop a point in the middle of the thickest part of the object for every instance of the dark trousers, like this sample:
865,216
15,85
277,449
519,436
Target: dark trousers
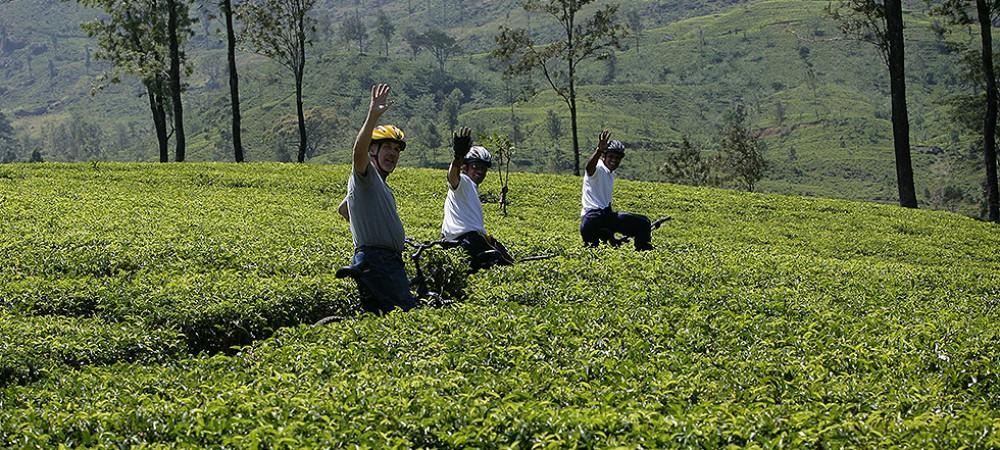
383,283
484,252
600,225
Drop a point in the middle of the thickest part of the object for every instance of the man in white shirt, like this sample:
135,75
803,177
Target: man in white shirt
598,221
463,211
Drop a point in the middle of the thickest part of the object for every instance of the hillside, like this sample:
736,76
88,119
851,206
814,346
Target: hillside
820,101
760,320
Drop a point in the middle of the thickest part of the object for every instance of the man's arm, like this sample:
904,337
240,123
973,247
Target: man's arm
602,145
462,142
342,209
379,103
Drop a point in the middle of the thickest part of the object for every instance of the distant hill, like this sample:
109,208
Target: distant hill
819,101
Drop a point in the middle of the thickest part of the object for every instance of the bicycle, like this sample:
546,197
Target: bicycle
421,282
610,236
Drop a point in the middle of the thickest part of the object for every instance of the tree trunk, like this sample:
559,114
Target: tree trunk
159,122
990,123
572,119
175,80
234,81
302,118
572,94
900,118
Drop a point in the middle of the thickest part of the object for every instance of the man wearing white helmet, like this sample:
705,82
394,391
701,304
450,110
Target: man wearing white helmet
463,211
599,222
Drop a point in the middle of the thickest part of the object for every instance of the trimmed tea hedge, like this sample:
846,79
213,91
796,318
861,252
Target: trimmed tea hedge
176,295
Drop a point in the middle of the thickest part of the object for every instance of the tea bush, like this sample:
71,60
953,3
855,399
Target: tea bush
32,347
175,297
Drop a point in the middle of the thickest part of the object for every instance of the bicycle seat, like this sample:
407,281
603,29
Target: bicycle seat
488,256
353,271
449,244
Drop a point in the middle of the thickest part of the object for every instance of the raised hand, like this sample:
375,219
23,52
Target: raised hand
380,100
602,141
462,143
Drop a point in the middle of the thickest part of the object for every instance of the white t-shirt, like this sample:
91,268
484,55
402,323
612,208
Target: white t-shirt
597,188
463,212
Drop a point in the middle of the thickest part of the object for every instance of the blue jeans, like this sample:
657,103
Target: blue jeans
600,225
383,283
476,245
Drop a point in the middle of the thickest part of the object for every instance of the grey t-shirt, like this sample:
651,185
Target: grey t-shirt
374,219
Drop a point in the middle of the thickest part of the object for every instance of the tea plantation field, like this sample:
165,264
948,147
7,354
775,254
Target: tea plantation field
168,306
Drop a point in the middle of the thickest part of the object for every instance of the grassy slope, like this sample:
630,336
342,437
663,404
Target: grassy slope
760,319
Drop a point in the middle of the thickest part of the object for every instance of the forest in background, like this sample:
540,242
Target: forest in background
819,102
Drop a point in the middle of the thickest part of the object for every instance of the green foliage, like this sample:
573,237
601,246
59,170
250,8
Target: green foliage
354,30
34,347
386,29
503,153
592,37
446,273
8,144
78,139
686,165
864,20
277,29
133,37
6,129
324,126
741,154
440,44
760,320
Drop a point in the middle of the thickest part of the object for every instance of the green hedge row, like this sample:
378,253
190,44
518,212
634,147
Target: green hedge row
33,347
213,311
559,375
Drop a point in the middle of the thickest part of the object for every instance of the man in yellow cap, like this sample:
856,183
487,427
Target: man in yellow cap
370,207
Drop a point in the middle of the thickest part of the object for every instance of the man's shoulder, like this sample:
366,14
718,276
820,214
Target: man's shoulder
465,182
369,177
600,171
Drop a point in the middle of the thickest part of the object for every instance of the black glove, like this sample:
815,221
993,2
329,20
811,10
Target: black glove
462,143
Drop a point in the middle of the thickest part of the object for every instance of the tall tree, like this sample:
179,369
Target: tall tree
958,12
6,129
450,108
441,45
178,27
131,36
324,126
353,29
277,29
880,22
686,165
412,39
385,29
556,158
226,6
558,61
7,142
741,151
634,18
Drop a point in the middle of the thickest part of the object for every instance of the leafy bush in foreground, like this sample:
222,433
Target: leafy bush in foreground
759,320
523,376
31,347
